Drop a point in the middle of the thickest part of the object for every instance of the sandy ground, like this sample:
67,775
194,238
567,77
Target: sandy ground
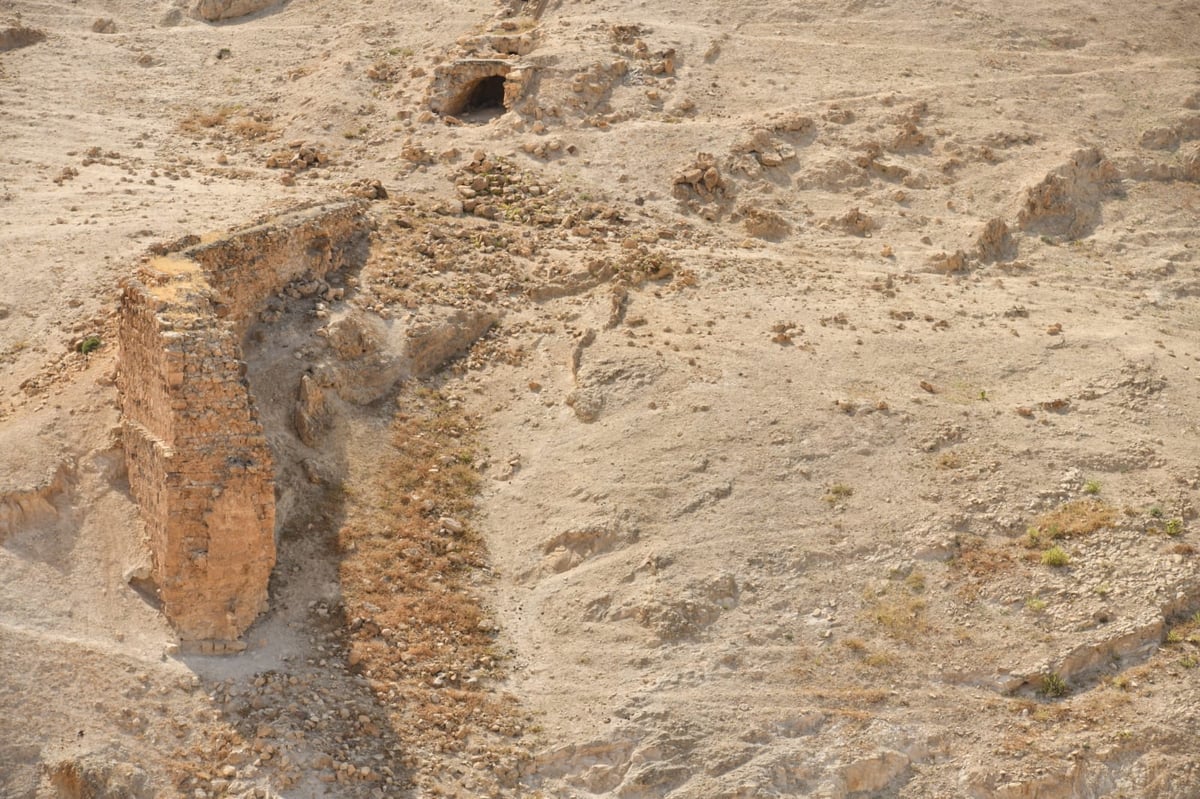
820,327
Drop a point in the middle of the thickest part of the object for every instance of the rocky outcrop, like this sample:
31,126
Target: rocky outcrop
199,465
462,85
1067,202
97,775
31,504
217,10
311,417
372,356
14,37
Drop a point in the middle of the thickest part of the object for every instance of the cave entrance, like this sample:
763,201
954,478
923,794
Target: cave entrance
484,99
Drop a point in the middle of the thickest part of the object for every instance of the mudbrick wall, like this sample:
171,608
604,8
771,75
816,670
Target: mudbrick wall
199,465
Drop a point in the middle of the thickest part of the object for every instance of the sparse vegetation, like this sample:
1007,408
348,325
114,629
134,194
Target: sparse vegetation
901,617
90,345
1076,518
1173,527
233,119
404,569
879,660
949,460
1053,686
1091,487
838,492
1055,557
1035,604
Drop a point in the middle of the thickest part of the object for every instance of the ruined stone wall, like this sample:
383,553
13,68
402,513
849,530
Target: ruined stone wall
246,268
199,465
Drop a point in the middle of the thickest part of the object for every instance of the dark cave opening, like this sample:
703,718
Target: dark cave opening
487,93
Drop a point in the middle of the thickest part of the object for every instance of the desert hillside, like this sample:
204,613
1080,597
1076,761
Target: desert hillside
588,399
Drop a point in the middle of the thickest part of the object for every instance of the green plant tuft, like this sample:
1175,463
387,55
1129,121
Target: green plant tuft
1056,557
1054,686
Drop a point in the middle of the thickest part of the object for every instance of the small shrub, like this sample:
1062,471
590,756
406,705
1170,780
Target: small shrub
1053,686
902,618
1174,637
1156,511
1121,682
1055,557
838,492
915,582
1091,487
251,127
198,120
949,460
1173,527
1035,604
90,345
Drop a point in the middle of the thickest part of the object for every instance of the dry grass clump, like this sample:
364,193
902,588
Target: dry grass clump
198,120
900,613
245,124
415,625
1079,517
902,617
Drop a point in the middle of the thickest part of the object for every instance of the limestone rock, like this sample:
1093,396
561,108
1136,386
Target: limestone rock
30,500
432,344
217,10
312,415
17,36
357,335
372,356
1067,201
995,243
95,776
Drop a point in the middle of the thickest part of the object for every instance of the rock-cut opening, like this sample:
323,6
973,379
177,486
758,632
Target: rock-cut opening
485,94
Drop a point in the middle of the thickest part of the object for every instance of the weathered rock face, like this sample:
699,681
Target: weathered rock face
96,776
22,506
199,464
13,37
456,86
1067,201
217,10
372,356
